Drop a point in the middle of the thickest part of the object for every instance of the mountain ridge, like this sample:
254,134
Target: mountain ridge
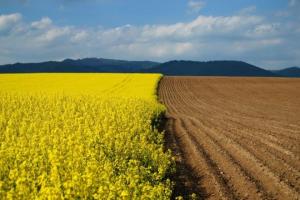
210,68
173,67
78,65
288,72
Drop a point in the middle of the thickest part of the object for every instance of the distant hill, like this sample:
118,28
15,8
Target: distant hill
175,68
211,68
288,72
79,65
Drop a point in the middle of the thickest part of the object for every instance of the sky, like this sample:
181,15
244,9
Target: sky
264,33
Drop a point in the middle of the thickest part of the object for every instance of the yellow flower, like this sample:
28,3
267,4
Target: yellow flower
81,136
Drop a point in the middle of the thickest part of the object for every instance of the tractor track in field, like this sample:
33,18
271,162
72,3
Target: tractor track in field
234,138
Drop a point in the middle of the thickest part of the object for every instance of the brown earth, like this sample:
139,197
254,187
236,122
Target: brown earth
234,138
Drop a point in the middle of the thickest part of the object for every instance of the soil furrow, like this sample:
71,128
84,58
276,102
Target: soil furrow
253,164
237,178
201,161
234,138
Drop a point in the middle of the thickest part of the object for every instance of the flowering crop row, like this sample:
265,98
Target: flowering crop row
81,141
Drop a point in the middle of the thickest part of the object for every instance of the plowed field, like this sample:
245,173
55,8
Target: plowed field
234,138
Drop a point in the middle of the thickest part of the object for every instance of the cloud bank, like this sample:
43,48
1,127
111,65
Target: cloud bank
244,36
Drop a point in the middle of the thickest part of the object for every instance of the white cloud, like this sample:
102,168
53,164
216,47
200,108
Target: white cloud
201,26
282,13
80,36
42,24
154,50
248,37
264,30
195,6
7,21
247,10
293,2
53,34
291,12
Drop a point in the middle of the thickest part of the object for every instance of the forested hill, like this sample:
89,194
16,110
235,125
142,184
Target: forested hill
175,68
79,65
211,68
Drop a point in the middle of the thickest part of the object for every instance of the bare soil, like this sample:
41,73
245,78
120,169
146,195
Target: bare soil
234,138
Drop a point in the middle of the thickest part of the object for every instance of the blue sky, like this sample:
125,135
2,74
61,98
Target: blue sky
265,33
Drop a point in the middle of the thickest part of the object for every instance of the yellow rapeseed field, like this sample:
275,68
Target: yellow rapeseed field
81,136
